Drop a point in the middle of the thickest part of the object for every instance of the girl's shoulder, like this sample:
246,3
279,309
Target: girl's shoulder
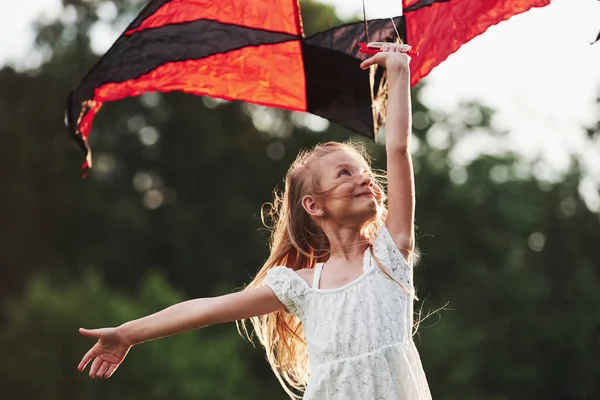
306,274
291,287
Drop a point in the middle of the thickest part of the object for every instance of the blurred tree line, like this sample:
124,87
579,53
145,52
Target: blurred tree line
171,211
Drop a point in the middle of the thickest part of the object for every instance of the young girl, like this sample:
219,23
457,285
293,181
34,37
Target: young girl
333,304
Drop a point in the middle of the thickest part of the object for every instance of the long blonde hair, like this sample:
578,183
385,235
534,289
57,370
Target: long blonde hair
298,242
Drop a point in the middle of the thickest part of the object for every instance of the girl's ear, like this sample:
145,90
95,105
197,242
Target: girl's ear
312,207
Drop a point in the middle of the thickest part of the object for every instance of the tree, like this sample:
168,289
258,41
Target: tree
41,341
514,256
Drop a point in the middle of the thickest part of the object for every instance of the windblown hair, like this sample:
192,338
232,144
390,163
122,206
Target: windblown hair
298,242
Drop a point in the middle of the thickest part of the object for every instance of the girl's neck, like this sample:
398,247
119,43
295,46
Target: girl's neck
346,243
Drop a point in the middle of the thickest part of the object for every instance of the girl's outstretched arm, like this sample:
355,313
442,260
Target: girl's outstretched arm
114,343
401,192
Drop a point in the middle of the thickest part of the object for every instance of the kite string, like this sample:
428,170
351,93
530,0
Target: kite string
394,23
395,28
365,19
364,8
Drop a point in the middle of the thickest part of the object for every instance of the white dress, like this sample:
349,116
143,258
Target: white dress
359,336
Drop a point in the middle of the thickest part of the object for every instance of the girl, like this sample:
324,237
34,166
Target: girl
333,304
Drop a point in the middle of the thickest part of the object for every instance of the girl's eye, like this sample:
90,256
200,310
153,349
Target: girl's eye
343,172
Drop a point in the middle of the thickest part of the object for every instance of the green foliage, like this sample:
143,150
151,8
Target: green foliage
513,256
317,17
43,345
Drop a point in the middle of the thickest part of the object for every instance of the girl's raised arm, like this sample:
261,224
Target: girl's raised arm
114,343
401,192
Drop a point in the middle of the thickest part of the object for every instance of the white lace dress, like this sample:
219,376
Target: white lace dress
359,335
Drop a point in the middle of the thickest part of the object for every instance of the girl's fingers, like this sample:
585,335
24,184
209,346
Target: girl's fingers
403,48
95,365
367,63
371,61
93,333
86,359
111,370
102,370
380,57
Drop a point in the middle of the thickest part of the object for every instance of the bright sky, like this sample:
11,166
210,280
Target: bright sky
538,70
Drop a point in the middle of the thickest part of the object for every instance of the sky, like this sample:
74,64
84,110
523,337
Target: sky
537,70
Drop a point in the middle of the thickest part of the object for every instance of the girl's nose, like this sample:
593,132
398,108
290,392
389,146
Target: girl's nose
366,180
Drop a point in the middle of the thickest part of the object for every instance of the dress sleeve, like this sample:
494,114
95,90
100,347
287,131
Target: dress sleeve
388,253
289,287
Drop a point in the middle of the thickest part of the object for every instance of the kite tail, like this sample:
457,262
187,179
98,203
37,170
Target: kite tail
80,127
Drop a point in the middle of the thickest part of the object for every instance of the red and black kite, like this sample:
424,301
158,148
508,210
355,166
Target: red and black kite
256,51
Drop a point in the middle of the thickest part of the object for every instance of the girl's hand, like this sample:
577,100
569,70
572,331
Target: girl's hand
391,57
108,353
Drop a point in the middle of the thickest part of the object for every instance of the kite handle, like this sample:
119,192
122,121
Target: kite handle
375,47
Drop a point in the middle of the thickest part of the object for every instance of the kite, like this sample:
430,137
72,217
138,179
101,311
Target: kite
256,51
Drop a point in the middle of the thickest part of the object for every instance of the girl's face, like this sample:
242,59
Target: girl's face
349,194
